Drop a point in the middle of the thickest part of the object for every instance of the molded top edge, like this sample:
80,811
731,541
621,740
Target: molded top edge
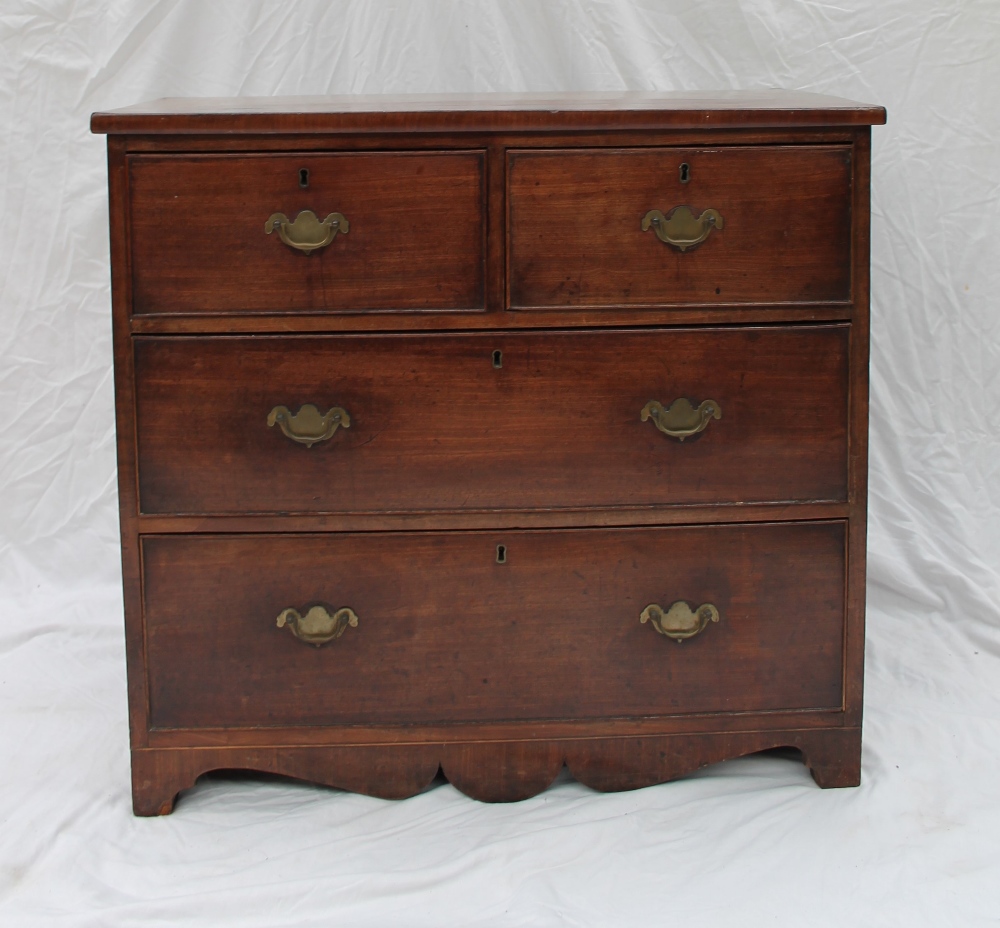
487,112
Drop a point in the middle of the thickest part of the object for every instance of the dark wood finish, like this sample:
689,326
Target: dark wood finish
575,235
564,138
448,634
492,320
416,239
854,645
492,771
407,113
608,516
128,490
435,426
490,757
496,731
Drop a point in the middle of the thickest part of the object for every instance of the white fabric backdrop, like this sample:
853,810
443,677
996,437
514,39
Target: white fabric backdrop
751,842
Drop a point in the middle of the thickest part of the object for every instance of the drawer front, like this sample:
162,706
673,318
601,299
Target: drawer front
445,633
780,233
434,425
411,234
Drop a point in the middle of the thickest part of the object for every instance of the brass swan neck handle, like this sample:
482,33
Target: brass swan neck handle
682,418
307,232
679,621
318,625
680,228
309,425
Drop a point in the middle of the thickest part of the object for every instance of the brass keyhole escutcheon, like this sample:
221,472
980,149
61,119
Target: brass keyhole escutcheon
501,554
685,172
303,177
497,360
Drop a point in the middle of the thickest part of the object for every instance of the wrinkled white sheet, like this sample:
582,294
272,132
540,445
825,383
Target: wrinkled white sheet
748,843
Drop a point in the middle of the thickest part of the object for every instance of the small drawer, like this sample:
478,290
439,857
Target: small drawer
655,227
422,627
410,423
404,231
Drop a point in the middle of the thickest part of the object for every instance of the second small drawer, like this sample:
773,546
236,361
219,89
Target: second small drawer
556,420
644,228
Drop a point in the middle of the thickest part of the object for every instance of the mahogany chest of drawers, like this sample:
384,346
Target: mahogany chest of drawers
490,435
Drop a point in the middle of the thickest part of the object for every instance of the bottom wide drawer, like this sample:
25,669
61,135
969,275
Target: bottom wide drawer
396,628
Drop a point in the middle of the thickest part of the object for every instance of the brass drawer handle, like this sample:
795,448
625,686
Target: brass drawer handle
307,232
317,626
682,419
679,622
679,227
308,426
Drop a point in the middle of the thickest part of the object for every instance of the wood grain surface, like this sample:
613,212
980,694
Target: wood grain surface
493,772
445,632
416,240
486,112
575,236
435,426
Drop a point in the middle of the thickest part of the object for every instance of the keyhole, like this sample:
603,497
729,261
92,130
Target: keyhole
501,554
303,177
498,359
685,171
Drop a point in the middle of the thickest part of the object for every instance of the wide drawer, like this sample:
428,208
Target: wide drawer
583,232
446,633
492,421
411,233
